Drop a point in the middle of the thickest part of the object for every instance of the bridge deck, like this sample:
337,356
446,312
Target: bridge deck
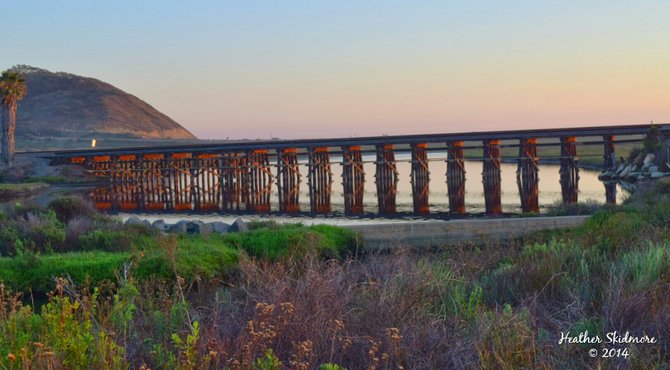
375,140
240,176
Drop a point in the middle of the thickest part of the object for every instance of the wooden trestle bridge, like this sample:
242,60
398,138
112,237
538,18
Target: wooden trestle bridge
239,177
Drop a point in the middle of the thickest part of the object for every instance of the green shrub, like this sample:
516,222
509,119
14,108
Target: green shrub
295,241
9,238
192,257
66,208
652,141
33,272
587,207
105,240
643,268
331,367
42,232
269,361
506,340
612,230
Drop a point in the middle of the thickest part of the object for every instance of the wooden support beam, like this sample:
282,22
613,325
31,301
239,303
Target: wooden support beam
232,174
353,179
386,178
456,177
609,164
167,197
101,166
181,167
259,180
152,182
288,180
420,178
609,155
491,177
610,192
208,181
320,180
527,176
569,171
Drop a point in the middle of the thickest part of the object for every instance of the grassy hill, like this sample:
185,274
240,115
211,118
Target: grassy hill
64,105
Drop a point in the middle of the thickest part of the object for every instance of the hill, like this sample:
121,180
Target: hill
66,105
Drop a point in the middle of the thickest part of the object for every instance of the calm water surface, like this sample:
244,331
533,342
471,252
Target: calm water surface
590,188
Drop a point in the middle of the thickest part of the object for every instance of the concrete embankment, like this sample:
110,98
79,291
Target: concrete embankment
434,233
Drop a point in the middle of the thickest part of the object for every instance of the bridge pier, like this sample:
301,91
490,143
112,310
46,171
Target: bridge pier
232,181
258,182
320,180
491,177
102,167
151,182
128,182
209,181
420,178
353,179
527,176
180,179
167,185
569,171
288,180
386,178
456,177
609,164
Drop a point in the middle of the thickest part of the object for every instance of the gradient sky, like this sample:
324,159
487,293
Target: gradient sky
291,69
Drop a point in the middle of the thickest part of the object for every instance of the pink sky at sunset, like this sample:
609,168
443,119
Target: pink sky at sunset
301,69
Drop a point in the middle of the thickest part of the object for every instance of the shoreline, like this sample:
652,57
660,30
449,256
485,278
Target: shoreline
389,233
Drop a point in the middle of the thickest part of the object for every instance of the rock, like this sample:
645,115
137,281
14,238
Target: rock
626,171
160,225
205,228
239,225
179,227
193,227
648,160
134,220
220,227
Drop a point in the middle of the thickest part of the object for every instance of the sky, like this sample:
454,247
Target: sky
307,69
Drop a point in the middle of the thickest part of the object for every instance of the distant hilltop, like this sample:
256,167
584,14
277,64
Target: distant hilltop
66,105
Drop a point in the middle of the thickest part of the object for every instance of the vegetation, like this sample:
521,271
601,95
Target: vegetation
12,89
13,191
303,297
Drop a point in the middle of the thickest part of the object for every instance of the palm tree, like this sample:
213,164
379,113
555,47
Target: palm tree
12,89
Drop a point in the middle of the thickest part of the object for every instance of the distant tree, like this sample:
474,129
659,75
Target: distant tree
653,139
12,89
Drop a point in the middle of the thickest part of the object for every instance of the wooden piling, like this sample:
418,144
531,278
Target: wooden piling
527,176
491,177
353,179
288,180
320,179
456,177
386,179
609,155
259,181
569,171
420,178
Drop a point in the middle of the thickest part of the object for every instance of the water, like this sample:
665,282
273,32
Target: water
590,188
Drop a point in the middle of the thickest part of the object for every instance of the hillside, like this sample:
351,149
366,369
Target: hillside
66,105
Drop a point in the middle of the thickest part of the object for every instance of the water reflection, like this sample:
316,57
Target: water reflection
590,187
